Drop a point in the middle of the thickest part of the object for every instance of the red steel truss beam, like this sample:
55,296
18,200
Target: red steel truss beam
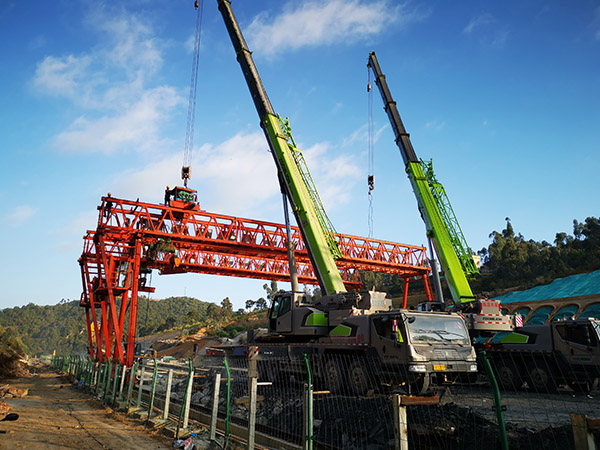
134,237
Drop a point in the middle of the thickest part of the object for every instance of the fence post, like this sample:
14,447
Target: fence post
113,397
582,437
153,391
168,395
497,400
400,424
107,383
89,373
308,408
123,375
252,413
99,376
141,383
188,397
185,403
215,408
132,375
228,410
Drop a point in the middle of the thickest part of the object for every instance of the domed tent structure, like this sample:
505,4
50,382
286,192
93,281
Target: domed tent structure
565,298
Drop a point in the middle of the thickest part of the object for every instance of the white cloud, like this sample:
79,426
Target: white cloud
499,38
487,28
435,125
62,76
238,177
480,21
132,44
315,23
20,214
112,83
137,127
360,136
235,177
334,176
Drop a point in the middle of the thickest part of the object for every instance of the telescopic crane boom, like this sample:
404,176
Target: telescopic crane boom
294,177
483,315
437,230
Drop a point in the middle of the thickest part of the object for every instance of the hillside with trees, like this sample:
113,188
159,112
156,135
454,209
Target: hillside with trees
509,261
62,327
512,260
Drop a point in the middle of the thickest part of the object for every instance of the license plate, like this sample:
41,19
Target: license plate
439,367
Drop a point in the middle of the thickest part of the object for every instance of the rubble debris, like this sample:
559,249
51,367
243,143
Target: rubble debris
8,391
4,409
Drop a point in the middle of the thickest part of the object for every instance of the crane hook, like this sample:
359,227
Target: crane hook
196,5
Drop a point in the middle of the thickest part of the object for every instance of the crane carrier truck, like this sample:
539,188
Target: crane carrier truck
544,356
564,352
357,340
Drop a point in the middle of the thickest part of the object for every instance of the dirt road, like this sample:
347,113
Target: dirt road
55,416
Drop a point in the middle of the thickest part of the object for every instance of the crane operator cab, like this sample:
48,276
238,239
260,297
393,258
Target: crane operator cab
182,197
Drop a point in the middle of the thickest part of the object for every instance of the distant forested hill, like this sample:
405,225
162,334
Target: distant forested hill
511,260
62,327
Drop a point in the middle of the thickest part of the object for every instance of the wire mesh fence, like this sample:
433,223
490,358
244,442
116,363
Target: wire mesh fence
352,401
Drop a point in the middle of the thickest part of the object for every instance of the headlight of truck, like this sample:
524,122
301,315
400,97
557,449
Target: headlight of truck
473,367
417,368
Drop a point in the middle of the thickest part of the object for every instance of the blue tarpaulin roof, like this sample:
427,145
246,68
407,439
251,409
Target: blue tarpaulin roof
573,286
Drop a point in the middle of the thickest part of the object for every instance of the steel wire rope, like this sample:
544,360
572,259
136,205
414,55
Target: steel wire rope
191,115
371,163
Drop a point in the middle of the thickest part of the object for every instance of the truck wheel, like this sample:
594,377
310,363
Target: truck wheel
421,385
359,382
540,378
508,376
333,376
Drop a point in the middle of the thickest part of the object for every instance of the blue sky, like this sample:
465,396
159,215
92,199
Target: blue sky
503,96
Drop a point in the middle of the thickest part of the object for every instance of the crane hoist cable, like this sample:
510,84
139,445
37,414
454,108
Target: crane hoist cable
186,169
371,168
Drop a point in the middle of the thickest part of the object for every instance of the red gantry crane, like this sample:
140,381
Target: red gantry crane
132,238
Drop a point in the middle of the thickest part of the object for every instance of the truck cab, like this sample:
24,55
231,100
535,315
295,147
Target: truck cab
428,347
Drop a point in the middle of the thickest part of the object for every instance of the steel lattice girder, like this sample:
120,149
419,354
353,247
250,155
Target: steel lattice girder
132,236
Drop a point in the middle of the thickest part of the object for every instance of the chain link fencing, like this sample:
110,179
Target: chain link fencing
353,401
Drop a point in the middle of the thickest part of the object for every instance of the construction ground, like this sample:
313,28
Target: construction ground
54,415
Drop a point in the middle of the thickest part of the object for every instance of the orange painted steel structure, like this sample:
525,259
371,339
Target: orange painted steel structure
133,237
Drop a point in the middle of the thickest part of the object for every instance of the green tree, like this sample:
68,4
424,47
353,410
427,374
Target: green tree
227,307
193,316
212,311
261,303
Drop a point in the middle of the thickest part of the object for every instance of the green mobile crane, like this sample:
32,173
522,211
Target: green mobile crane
441,224
294,178
412,348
